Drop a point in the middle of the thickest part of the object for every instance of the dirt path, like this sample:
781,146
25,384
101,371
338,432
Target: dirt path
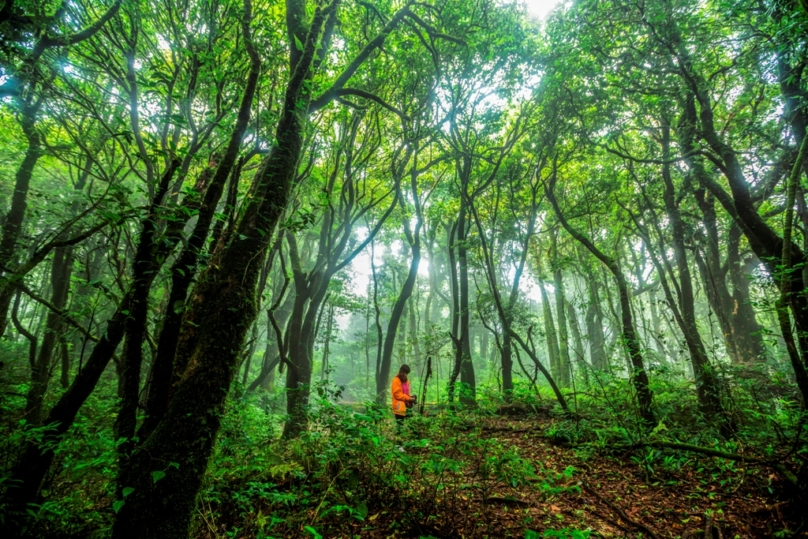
616,497
551,491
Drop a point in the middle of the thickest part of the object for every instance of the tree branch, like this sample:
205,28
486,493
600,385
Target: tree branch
61,312
72,39
315,106
363,55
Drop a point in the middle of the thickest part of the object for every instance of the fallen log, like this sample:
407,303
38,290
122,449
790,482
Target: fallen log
779,466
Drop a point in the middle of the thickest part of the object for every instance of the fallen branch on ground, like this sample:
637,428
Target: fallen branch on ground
611,521
779,466
623,515
711,531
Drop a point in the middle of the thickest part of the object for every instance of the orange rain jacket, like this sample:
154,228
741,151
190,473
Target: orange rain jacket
399,397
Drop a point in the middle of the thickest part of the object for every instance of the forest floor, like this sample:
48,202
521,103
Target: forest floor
619,498
610,496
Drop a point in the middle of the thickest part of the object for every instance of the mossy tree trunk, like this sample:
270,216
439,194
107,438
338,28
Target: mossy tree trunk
221,310
13,220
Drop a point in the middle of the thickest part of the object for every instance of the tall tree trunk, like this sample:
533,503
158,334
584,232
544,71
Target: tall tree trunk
403,355
467,378
750,332
594,320
639,375
413,332
328,327
455,310
12,222
143,274
577,342
376,317
797,356
744,331
714,277
550,334
309,295
168,367
436,261
505,310
383,375
791,82
249,352
707,384
221,311
61,269
565,365
657,328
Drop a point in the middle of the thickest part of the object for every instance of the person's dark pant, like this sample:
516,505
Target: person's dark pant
399,423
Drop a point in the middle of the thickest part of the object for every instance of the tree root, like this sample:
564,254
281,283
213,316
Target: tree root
639,525
711,531
611,521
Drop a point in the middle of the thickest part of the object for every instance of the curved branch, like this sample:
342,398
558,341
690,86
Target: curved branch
559,396
359,93
90,31
433,32
371,234
61,312
41,253
363,55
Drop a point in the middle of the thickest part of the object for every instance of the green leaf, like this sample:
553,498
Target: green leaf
116,505
127,491
313,532
298,44
157,475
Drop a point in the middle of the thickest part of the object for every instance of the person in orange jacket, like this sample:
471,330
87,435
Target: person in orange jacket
400,390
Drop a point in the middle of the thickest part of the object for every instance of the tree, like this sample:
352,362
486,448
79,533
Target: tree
630,340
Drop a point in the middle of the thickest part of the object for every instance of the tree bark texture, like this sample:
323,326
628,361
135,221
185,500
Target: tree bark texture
13,220
222,309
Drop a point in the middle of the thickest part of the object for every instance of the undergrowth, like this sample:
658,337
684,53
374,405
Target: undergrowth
350,475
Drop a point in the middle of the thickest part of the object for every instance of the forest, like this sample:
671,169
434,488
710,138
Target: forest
225,225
